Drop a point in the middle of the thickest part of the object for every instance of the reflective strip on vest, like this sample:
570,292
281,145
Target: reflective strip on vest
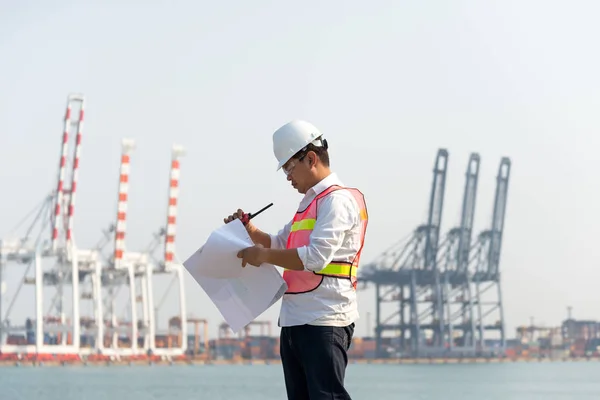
304,225
339,269
363,214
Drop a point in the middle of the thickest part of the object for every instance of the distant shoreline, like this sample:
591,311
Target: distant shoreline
390,361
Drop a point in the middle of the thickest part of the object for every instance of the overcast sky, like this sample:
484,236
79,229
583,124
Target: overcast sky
388,83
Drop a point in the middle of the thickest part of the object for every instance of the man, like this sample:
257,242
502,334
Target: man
319,251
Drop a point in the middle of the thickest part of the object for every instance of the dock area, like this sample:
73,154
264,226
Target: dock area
201,362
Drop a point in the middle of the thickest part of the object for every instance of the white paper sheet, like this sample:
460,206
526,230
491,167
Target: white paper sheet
218,257
240,294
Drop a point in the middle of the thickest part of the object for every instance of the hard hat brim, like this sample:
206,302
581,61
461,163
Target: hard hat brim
313,140
281,164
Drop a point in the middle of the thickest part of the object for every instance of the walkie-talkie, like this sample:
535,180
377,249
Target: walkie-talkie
247,217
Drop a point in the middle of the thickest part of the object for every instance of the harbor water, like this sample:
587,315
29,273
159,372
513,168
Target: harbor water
509,381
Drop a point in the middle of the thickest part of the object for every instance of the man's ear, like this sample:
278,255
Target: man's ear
312,159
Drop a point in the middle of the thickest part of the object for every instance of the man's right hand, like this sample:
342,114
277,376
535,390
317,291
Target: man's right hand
238,215
257,236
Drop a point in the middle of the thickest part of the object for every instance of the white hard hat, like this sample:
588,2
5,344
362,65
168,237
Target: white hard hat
293,137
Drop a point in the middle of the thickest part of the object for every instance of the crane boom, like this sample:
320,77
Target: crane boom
436,205
127,146
468,212
177,152
59,215
497,228
74,171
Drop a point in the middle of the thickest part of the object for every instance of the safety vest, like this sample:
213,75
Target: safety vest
302,227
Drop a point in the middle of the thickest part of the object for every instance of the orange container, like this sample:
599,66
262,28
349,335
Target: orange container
369,345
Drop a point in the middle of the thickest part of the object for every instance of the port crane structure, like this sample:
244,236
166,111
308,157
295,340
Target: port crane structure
45,249
441,294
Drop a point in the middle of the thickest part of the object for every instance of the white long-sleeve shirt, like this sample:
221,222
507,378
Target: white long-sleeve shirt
336,235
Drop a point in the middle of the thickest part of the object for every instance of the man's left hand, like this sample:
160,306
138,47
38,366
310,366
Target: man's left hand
254,255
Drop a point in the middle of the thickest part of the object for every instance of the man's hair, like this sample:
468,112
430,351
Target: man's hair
320,151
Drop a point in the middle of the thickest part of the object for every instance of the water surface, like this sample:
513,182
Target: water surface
511,381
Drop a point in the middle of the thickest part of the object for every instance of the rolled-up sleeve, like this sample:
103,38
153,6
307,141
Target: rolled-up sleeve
279,240
337,214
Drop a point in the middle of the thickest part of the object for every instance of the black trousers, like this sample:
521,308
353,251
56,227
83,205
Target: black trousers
314,361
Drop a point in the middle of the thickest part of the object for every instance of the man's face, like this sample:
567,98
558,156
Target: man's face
298,173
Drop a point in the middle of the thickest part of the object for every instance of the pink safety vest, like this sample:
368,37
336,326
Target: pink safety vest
302,227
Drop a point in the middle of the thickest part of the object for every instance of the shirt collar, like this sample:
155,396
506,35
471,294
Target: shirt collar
331,179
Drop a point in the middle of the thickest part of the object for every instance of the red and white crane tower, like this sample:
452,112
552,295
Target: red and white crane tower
48,247
136,272
168,264
54,240
121,270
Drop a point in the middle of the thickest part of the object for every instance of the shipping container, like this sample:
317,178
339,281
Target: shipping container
369,345
510,352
